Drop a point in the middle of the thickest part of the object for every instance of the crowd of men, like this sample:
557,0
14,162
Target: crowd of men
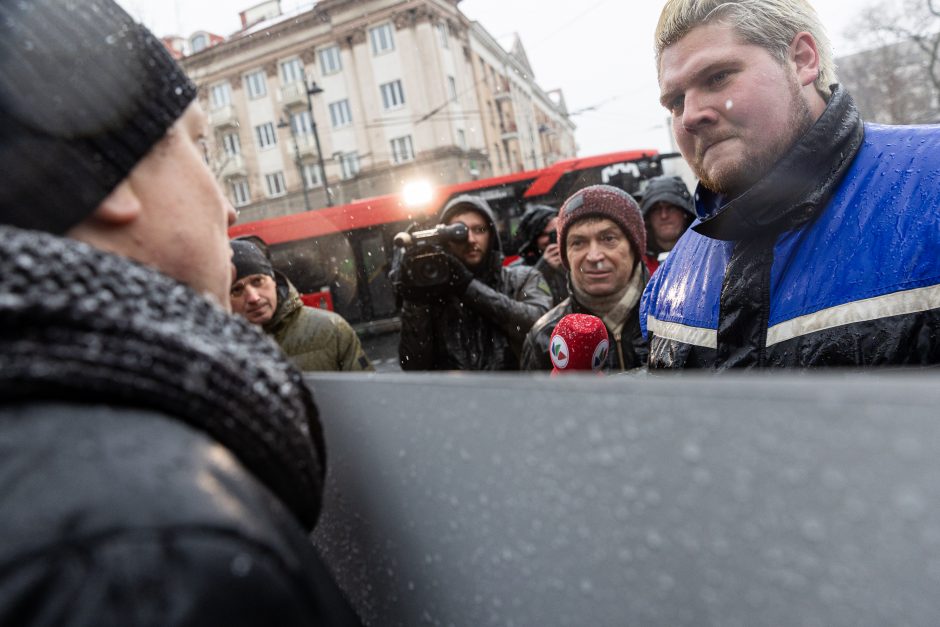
164,459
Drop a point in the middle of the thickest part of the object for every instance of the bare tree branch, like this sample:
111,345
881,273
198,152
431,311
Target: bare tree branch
897,79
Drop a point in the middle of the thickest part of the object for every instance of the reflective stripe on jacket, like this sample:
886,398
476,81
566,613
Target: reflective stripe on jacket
832,260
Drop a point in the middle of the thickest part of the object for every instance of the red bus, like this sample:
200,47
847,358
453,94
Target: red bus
338,257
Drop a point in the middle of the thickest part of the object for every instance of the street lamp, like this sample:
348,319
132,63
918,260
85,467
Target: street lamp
300,166
312,90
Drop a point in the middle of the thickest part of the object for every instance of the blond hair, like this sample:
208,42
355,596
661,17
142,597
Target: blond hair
770,24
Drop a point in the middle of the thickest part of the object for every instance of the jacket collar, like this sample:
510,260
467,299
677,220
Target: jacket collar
797,187
81,325
288,303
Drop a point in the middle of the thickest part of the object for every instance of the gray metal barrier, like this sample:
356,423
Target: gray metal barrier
515,500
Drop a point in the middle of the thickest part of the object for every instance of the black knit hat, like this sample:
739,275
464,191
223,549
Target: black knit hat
249,259
85,93
670,189
602,201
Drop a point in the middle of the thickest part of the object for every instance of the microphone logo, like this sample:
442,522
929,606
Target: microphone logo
600,355
560,353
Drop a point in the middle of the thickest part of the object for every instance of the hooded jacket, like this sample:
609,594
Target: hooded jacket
162,461
672,190
484,328
829,260
314,339
530,228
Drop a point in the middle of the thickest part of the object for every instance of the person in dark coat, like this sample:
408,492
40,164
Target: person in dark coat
537,246
668,212
480,319
162,462
602,240
817,235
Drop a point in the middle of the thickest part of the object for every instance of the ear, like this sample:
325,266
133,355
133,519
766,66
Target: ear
120,207
805,58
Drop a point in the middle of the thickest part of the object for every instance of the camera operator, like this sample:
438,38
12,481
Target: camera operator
537,239
476,317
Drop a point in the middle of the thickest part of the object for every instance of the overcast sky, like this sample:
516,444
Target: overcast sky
599,52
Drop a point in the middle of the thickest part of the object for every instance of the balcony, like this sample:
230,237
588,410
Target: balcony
294,94
223,116
232,166
502,91
306,145
509,131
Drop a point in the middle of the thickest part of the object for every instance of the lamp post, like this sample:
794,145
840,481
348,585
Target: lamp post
312,90
300,166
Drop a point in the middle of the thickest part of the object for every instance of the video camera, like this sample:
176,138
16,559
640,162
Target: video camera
420,258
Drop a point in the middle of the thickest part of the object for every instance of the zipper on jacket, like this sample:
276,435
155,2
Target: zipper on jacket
623,366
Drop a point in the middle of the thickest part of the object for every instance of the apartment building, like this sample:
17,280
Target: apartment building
393,91
893,83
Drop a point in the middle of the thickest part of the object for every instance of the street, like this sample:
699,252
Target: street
382,350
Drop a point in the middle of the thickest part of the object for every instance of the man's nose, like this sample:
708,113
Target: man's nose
231,215
594,251
251,294
697,111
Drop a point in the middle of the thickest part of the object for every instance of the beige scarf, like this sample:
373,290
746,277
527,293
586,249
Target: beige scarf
615,308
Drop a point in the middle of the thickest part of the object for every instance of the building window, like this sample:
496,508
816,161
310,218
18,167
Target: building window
199,42
312,175
220,95
241,194
381,37
340,115
451,88
292,72
265,135
275,183
402,149
301,123
442,35
231,144
349,165
461,138
393,96
256,83
330,61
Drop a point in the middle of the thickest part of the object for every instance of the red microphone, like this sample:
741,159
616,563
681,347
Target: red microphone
579,342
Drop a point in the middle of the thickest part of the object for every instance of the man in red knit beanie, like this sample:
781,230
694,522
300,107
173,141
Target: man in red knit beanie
602,238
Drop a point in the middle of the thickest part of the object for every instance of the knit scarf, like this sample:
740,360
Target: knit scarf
614,309
81,325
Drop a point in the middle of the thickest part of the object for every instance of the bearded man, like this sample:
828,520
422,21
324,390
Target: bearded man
817,234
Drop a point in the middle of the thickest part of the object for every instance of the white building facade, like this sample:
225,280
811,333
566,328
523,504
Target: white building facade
401,95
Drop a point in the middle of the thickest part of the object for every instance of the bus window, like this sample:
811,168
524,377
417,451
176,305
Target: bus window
375,272
315,263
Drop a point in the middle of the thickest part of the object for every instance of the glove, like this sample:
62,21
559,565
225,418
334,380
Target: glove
460,276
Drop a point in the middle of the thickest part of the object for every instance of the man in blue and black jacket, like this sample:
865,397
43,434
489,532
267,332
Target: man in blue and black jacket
817,236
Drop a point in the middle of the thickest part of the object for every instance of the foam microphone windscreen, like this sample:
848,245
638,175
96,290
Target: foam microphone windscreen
578,343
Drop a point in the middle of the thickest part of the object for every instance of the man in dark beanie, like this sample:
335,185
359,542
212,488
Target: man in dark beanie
314,339
668,213
537,238
602,238
163,460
